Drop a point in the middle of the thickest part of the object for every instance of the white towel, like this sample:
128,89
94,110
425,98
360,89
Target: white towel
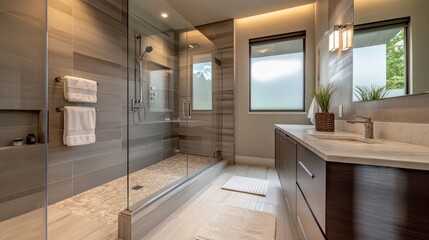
79,126
80,90
314,108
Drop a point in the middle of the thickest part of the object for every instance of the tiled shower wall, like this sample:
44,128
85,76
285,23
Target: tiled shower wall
88,38
22,103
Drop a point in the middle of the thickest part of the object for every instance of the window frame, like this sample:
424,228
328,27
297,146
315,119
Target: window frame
272,39
392,23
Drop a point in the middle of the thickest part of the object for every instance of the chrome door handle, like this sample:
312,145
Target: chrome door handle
189,109
186,109
183,108
306,169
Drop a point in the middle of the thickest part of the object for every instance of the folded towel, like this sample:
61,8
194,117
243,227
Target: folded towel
79,126
314,108
80,90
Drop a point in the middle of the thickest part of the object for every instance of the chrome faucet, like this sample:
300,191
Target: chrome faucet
369,125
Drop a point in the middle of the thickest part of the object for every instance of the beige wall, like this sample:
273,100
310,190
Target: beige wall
255,131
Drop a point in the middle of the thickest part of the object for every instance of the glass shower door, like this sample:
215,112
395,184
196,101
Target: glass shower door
172,115
202,138
155,160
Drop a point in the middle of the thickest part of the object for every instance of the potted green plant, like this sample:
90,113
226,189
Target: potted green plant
369,93
324,120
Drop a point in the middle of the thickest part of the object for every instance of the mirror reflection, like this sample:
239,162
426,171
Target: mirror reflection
389,48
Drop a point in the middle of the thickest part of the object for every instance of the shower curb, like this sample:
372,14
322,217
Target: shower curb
135,225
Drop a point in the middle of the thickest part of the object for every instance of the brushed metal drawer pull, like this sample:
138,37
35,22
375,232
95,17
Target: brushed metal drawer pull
306,169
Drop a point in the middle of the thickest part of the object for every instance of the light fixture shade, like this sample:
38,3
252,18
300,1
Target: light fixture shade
347,38
334,40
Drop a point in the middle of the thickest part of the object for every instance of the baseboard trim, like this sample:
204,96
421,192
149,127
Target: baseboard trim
254,160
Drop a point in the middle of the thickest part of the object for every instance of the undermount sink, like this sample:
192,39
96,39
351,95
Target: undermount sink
345,138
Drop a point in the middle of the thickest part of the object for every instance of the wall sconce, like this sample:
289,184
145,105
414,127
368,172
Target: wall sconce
347,38
334,39
341,34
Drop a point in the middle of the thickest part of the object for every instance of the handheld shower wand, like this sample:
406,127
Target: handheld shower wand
147,50
138,103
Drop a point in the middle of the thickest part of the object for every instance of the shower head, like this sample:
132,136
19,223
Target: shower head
147,50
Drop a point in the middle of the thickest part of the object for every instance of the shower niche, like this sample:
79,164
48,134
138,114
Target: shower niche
18,124
160,89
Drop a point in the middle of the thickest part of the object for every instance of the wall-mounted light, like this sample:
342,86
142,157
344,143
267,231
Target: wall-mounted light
334,39
341,34
164,15
347,37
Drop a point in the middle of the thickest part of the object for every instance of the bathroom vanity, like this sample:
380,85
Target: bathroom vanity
342,186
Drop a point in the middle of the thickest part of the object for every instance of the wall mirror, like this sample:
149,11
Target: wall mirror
390,48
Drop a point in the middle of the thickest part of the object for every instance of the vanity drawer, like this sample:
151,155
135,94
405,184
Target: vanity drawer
311,178
307,227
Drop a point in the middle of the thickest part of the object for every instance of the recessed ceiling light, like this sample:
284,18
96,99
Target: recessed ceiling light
193,45
164,15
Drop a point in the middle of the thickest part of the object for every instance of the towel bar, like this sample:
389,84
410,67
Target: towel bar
60,79
62,109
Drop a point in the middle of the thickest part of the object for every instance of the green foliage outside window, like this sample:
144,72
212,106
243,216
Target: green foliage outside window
396,62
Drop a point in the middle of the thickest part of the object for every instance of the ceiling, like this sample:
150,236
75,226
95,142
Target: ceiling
199,12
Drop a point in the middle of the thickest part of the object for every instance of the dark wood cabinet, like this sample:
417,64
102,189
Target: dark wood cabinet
307,227
285,163
372,202
343,201
311,179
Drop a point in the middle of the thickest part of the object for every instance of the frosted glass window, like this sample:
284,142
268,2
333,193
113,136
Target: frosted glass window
202,86
277,74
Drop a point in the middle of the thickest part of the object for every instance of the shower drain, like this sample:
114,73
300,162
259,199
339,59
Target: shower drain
137,187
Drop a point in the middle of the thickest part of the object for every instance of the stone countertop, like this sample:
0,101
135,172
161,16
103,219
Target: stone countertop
378,153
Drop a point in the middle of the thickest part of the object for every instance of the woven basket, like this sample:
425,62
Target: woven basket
325,122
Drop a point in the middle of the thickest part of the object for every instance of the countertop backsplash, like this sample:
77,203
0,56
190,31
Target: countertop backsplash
402,132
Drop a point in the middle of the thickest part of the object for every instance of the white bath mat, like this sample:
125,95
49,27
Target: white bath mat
228,223
247,185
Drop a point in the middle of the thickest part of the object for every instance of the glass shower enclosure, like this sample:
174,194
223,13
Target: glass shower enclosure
173,121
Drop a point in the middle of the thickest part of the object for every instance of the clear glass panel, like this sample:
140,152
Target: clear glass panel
156,163
162,122
23,111
379,63
277,76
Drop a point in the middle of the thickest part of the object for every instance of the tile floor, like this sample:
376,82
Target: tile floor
185,222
